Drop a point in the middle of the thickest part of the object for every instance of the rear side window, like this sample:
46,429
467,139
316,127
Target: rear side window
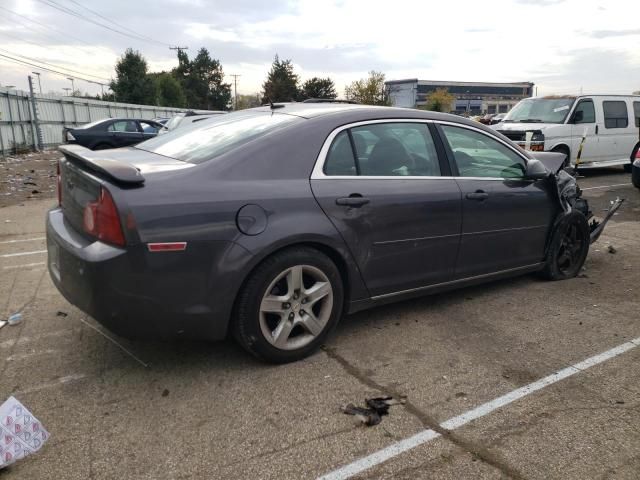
636,112
615,114
123,126
340,159
207,140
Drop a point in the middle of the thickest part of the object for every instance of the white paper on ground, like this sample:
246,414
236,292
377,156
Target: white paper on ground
21,433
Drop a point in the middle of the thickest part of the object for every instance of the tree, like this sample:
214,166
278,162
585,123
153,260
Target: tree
369,91
440,100
318,88
170,93
281,84
248,101
202,81
132,84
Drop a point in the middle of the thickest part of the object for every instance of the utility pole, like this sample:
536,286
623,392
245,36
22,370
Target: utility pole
39,84
73,87
235,89
179,49
66,89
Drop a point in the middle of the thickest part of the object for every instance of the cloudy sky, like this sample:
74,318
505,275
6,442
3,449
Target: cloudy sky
561,45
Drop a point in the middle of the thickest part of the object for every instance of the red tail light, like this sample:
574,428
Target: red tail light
102,221
59,183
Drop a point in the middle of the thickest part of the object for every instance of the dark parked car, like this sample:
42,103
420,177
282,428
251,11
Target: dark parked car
112,133
274,222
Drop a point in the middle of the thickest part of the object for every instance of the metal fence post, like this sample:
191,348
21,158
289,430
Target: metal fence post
12,123
75,114
36,133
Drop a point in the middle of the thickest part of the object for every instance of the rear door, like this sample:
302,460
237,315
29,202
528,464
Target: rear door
505,218
384,187
124,132
617,133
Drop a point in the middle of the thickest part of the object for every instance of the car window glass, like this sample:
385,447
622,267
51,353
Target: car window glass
148,128
615,114
636,112
588,113
478,155
123,126
395,149
340,159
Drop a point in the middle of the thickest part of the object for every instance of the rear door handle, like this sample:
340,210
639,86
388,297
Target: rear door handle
478,195
352,201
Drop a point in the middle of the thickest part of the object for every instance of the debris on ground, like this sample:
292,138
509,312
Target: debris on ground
22,433
14,319
3,323
60,313
611,249
19,174
376,408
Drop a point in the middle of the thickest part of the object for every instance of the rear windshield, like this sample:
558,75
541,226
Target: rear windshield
173,122
203,141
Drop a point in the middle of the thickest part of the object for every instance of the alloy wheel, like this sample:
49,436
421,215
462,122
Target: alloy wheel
296,307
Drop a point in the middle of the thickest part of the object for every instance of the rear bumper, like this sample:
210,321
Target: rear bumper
138,294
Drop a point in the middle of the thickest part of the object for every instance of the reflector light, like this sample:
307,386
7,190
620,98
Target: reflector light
167,246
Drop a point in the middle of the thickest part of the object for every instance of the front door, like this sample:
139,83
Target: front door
124,133
381,184
505,218
585,122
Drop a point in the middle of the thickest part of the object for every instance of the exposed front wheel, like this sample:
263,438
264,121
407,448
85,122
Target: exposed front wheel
568,248
289,305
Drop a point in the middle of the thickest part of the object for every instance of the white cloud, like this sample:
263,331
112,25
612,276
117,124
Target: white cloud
512,40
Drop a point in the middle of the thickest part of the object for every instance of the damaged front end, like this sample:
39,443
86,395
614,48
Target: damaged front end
565,187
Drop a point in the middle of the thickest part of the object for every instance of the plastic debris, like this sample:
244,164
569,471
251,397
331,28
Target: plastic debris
3,323
22,433
14,319
376,408
60,313
611,249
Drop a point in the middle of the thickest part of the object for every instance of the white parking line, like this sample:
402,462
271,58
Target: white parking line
608,186
55,383
425,436
4,242
20,254
23,265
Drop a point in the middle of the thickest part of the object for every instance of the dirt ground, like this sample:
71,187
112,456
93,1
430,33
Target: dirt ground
27,177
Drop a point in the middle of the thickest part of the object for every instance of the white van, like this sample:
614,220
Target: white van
610,124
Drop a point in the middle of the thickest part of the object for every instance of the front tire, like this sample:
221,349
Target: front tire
568,248
289,305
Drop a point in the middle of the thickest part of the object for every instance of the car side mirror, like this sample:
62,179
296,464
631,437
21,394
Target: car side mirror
535,170
578,116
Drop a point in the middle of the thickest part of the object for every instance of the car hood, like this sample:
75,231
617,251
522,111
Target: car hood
554,161
523,127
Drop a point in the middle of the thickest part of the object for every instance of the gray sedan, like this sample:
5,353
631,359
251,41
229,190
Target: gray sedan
272,223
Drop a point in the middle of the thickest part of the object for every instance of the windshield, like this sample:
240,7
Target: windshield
541,110
213,137
174,121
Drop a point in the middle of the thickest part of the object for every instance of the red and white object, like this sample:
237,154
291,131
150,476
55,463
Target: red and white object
21,433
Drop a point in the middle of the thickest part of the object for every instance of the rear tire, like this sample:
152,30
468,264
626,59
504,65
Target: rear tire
289,305
568,248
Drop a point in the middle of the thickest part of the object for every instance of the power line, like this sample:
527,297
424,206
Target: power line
42,25
76,14
55,66
115,23
16,60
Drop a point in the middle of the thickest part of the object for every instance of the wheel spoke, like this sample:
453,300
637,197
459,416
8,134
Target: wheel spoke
272,304
318,291
294,279
311,323
281,333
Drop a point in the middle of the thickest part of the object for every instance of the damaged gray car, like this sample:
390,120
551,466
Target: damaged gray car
270,224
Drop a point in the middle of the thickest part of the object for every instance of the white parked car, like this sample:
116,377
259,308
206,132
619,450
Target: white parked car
609,123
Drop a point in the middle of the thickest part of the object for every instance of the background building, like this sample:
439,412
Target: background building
472,97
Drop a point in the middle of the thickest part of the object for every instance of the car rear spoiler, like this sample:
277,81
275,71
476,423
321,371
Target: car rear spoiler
100,163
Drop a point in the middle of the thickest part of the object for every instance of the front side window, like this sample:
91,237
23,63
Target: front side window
615,114
478,155
584,113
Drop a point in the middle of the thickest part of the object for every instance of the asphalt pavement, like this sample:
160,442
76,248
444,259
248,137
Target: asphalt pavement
521,378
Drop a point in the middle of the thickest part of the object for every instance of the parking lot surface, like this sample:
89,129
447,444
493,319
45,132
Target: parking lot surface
155,410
